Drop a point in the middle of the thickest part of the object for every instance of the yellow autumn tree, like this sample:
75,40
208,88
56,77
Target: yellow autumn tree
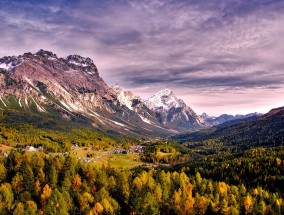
184,206
37,187
248,203
201,204
85,200
46,192
98,209
189,201
222,188
77,182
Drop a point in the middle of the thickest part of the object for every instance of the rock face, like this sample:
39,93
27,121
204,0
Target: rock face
73,82
125,98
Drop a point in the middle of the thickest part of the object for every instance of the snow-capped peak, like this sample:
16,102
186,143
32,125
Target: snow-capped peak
163,101
164,92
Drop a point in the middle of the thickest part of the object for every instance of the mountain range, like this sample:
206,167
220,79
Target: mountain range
71,88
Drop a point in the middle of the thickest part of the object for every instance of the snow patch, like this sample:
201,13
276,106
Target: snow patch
117,123
78,64
26,101
3,101
38,106
51,58
61,88
20,103
74,107
125,98
163,128
96,114
5,66
29,81
144,119
71,106
13,62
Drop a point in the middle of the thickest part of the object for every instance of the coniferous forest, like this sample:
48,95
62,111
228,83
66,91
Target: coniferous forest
40,184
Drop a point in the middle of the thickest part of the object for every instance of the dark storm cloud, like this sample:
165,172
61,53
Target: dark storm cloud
255,79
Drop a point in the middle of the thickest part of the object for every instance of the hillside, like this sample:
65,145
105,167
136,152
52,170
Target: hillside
267,130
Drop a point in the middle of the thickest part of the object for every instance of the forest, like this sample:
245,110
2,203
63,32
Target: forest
40,184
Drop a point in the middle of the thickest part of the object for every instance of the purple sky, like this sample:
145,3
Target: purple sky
220,56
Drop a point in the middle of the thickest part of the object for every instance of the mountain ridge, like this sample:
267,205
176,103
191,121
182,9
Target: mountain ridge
47,84
266,131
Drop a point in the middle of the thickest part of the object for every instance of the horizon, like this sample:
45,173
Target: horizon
220,57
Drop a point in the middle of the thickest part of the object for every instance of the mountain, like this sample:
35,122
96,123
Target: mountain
174,110
265,130
226,117
71,89
137,106
125,98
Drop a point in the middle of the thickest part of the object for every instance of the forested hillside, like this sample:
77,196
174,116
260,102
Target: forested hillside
268,130
37,184
19,129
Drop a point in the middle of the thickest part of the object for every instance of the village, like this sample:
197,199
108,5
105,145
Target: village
116,156
90,155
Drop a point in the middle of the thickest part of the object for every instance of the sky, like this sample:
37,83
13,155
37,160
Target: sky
219,56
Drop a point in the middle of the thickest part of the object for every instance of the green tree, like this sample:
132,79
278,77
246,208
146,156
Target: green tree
3,173
6,198
56,204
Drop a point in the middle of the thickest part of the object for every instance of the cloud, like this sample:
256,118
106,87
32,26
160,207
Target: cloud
201,49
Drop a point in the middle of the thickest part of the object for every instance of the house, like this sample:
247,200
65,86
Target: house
30,149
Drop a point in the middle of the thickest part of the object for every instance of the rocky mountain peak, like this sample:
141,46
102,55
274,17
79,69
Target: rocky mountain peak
205,116
46,54
176,111
10,62
79,61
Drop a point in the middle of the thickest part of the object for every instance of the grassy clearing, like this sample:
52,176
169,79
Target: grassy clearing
118,161
122,161
163,154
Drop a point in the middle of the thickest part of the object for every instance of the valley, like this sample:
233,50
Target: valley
149,107
68,139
